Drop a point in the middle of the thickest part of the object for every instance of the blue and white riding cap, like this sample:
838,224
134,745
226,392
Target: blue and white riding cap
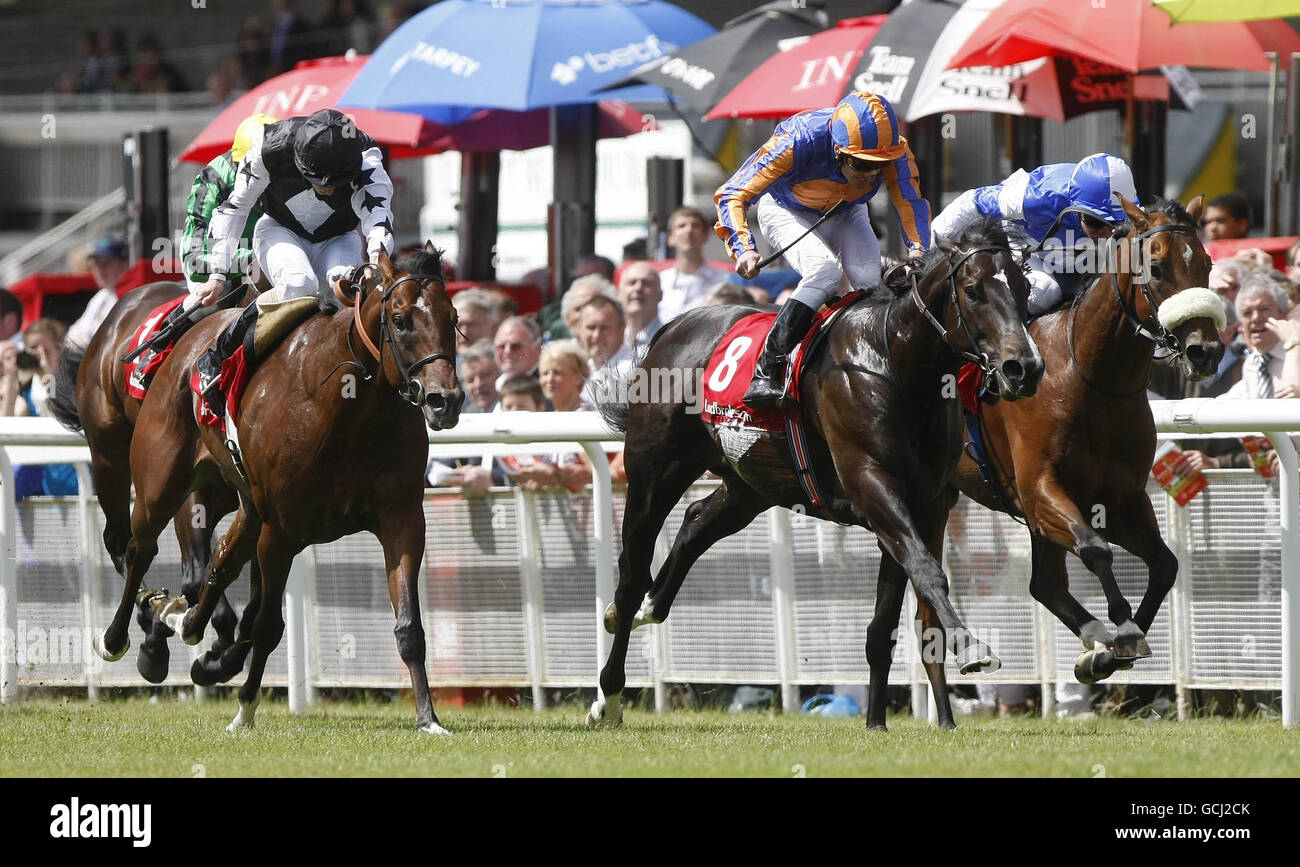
1094,182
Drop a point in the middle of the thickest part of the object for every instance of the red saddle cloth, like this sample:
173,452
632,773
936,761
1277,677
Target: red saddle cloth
731,367
135,377
235,373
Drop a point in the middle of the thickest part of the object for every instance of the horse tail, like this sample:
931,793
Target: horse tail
63,396
611,398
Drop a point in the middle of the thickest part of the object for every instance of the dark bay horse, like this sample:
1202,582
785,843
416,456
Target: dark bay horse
90,397
1075,459
879,403
333,442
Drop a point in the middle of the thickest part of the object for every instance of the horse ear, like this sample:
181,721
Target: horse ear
429,248
944,244
1140,219
386,266
1194,208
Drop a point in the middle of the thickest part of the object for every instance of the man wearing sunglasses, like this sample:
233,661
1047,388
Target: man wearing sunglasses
813,162
1033,205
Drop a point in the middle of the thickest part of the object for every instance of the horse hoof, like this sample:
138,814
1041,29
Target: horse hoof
611,618
433,729
102,651
605,712
200,674
1096,665
1128,648
243,719
153,664
645,615
978,660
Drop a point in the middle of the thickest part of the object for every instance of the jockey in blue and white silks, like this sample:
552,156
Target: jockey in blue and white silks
1029,204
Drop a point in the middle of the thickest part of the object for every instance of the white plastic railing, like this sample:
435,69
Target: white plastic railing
527,432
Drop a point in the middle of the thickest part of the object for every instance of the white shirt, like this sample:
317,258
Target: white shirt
641,340
681,292
97,310
1276,361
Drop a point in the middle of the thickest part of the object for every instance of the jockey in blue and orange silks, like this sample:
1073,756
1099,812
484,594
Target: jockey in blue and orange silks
813,161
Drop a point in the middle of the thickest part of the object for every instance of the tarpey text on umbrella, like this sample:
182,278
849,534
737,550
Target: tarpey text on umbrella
452,61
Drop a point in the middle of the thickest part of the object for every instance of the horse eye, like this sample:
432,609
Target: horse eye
1157,271
973,292
402,321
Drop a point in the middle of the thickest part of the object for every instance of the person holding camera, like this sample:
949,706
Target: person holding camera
26,376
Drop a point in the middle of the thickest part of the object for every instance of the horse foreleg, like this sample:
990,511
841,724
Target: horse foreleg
236,548
1060,520
932,651
882,636
879,497
403,541
728,510
275,553
113,642
1049,584
651,494
195,524
1134,528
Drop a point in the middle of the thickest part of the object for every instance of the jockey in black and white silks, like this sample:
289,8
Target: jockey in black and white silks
317,180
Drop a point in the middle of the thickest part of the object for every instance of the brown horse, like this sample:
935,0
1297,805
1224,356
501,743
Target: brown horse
332,444
1074,460
90,397
879,403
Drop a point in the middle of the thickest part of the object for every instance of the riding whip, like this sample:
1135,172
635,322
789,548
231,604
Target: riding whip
835,209
162,338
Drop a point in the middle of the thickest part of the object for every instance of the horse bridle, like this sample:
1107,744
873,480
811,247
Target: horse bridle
973,353
1162,337
410,389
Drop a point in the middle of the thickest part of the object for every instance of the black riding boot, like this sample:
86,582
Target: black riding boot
209,366
765,390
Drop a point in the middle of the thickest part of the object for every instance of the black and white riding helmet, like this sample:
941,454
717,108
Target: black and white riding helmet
327,149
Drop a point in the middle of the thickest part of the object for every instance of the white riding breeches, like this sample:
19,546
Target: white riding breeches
296,267
1044,292
843,245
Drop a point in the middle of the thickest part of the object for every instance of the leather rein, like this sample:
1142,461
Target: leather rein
972,353
1162,337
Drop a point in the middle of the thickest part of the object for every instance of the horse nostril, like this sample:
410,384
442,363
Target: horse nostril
435,401
1197,354
1013,370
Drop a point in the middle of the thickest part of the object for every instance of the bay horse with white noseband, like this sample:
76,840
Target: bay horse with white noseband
880,406
325,455
1082,448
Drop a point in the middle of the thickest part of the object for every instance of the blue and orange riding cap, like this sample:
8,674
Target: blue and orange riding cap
864,126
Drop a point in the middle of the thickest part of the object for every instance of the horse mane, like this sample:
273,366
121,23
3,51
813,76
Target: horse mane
986,232
421,263
1172,209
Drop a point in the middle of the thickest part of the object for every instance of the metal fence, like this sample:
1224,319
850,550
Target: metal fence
509,580
513,587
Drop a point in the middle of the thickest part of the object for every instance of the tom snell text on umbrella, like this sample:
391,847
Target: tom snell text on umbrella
462,55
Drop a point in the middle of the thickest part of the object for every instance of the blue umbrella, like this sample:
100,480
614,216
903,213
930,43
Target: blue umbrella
460,56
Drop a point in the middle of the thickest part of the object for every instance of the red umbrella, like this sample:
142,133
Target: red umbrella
812,74
317,84
308,87
1130,34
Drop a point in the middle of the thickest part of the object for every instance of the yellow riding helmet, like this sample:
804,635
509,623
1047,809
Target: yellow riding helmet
244,134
